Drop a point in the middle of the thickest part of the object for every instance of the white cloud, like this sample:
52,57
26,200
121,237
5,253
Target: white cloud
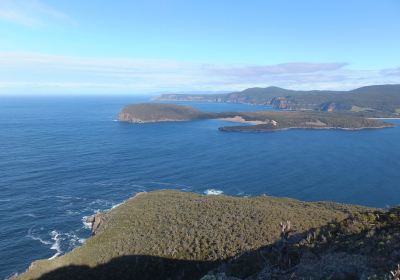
391,72
31,13
33,72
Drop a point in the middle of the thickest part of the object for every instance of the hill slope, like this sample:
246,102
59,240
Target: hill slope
182,235
261,121
372,101
153,112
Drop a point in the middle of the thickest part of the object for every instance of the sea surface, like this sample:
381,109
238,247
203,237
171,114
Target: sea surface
64,158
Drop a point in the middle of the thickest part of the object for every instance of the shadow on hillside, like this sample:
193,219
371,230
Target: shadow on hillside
135,267
301,253
159,268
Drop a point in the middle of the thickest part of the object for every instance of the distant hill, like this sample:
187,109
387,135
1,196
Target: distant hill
369,101
153,112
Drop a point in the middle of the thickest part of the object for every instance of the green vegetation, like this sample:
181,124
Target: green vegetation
360,109
264,121
378,101
170,233
153,112
363,246
306,120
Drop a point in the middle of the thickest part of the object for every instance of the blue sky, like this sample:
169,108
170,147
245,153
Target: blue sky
121,46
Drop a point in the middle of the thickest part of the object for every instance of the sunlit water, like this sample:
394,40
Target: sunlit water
65,158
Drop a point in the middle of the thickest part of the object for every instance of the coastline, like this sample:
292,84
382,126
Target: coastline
232,128
383,118
119,221
239,119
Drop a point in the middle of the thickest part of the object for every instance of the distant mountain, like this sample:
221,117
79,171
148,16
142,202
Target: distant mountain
369,101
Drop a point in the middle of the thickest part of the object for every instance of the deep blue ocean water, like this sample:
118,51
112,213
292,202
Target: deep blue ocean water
63,158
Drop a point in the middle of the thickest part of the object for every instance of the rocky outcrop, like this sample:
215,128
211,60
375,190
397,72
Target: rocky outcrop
334,106
96,221
280,103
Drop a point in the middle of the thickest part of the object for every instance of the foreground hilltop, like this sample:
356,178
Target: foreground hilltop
370,101
177,235
254,121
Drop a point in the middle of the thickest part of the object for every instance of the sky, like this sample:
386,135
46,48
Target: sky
153,46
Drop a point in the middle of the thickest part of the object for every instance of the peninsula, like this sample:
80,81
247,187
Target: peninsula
251,121
369,101
178,235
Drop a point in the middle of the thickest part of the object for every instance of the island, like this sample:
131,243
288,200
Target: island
370,101
251,121
153,112
169,234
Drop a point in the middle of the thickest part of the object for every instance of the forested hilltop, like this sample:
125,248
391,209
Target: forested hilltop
178,235
369,101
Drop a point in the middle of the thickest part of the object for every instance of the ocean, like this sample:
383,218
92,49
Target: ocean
64,158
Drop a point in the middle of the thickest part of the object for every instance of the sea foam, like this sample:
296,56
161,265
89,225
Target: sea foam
213,192
55,236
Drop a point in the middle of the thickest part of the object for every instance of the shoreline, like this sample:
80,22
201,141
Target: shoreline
239,119
383,118
309,128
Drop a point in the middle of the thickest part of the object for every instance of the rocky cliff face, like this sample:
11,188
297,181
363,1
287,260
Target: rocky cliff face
334,106
96,221
280,103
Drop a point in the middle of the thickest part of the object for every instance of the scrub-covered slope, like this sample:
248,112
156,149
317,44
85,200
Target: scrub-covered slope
182,235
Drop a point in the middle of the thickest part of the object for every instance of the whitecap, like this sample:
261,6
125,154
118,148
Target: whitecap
116,205
30,215
213,192
74,240
11,276
86,224
55,236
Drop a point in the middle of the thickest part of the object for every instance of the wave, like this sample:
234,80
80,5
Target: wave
85,223
30,215
55,236
116,205
213,192
60,242
37,238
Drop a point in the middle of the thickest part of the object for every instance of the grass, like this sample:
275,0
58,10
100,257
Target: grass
358,109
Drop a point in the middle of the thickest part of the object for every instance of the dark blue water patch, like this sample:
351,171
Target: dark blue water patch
63,158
